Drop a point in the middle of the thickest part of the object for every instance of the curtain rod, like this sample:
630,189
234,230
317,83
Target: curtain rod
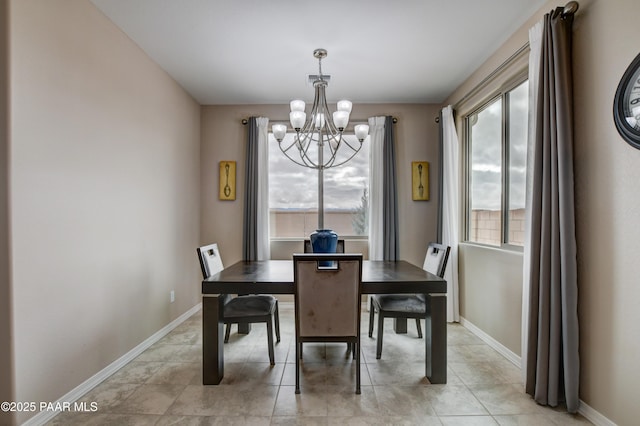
360,120
569,9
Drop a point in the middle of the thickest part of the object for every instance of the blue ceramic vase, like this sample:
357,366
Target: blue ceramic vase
324,241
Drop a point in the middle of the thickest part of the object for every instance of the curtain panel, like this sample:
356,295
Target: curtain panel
376,152
550,339
449,207
389,194
255,242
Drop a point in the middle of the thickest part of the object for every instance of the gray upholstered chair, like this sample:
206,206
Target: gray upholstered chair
246,309
407,305
327,302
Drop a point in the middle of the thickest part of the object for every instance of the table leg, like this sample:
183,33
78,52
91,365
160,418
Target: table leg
400,325
436,339
244,328
212,340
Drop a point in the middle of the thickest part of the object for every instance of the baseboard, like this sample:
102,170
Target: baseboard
499,347
583,409
75,394
593,416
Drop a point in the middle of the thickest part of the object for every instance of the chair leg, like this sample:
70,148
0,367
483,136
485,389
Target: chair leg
357,351
270,341
227,333
371,316
298,356
380,333
277,320
419,327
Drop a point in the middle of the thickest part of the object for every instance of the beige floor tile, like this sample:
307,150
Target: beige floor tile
404,401
395,421
506,399
97,419
468,421
299,421
312,401
163,385
454,400
136,372
175,373
390,372
342,401
160,352
149,399
108,395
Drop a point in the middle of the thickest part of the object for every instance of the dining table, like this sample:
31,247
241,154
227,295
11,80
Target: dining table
276,277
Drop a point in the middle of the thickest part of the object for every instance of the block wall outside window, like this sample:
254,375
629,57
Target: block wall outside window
485,227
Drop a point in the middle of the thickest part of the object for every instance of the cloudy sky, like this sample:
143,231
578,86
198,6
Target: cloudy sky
295,186
486,152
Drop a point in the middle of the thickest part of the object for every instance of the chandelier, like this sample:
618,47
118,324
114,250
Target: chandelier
321,129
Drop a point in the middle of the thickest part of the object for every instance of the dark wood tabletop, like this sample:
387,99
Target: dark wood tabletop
276,277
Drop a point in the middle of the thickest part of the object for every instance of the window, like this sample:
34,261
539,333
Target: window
293,194
496,140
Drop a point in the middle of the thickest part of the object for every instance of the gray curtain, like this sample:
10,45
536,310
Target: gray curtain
552,362
250,216
389,197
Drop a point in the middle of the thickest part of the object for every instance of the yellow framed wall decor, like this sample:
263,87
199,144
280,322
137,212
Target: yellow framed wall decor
227,191
420,180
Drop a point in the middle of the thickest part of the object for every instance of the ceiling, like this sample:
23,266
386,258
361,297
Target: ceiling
261,52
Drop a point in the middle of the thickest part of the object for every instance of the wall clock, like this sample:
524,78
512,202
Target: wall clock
626,104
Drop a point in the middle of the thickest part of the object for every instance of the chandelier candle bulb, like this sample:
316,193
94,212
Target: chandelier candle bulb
297,105
344,105
297,119
341,119
361,131
279,131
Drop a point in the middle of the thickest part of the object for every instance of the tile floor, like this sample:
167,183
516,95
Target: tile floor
163,385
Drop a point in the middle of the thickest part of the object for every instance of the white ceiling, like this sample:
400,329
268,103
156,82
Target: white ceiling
258,51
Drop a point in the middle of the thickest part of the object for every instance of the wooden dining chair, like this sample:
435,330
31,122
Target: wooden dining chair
308,248
245,309
327,302
407,305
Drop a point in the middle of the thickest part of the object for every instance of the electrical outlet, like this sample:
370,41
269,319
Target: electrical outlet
172,296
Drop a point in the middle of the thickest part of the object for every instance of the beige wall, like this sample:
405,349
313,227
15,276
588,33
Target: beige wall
104,196
224,138
607,172
6,342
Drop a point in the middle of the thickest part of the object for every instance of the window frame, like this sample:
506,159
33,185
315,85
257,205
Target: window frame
350,131
501,92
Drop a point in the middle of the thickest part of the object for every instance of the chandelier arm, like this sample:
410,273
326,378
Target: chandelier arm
329,163
307,141
296,161
345,161
303,158
355,149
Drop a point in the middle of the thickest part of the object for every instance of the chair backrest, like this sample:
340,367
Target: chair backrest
436,259
309,249
327,299
210,260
